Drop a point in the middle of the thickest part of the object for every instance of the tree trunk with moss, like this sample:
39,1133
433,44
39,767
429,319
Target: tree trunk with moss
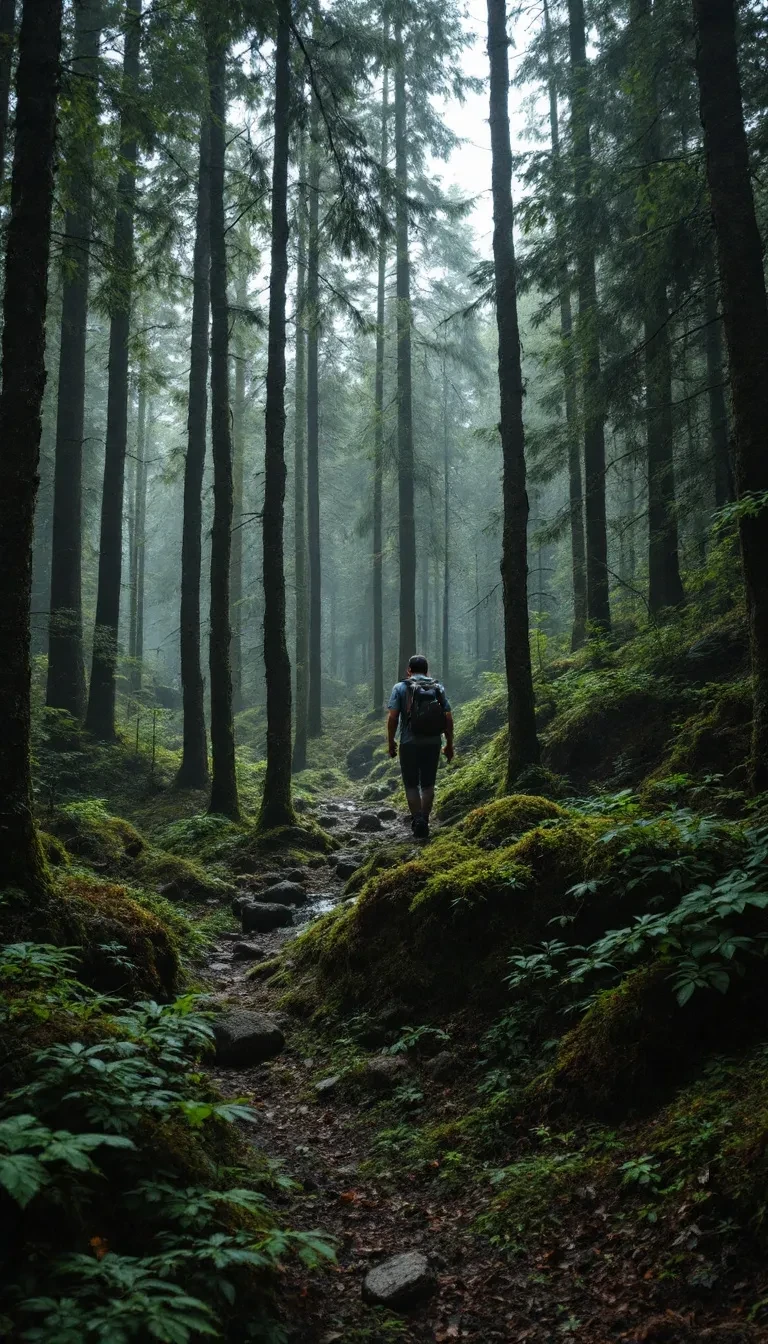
276,806
100,716
23,355
238,471
378,426
193,771
745,321
314,713
405,464
300,732
523,746
224,798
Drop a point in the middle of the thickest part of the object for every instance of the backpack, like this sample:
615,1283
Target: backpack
426,710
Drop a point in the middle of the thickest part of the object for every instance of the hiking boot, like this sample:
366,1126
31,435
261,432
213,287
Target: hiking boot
420,827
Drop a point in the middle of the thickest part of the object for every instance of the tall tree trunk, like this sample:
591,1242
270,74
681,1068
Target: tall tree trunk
300,482
598,608
23,359
378,425
66,671
7,34
745,320
446,648
405,488
276,807
238,445
718,413
193,771
315,721
100,716
665,587
575,490
224,800
136,631
523,743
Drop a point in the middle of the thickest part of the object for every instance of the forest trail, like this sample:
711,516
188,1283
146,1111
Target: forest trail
323,1146
588,1284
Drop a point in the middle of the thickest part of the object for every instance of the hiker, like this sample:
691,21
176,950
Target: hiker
421,707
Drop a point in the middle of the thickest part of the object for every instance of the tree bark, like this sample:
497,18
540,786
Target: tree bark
276,807
745,321
238,445
598,607
665,587
575,490
378,426
136,630
224,799
193,771
300,482
7,36
405,489
722,468
315,719
100,716
66,670
446,648
523,747
23,359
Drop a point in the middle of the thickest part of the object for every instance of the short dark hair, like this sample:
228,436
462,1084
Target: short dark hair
418,663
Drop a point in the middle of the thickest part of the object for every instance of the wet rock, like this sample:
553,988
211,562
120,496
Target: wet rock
368,821
295,875
269,879
284,893
403,1281
327,1085
239,902
374,793
385,1072
347,864
300,804
444,1067
244,951
387,814
263,916
316,861
244,1038
328,821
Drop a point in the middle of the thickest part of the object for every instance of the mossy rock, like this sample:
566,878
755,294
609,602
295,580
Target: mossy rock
716,740
295,843
507,819
616,735
105,916
56,853
202,837
178,878
91,833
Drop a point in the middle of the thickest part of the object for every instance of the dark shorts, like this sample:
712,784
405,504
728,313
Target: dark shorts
418,764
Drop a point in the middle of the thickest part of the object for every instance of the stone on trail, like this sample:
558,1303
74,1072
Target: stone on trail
327,1085
244,1038
385,1072
262,916
244,951
387,813
347,864
328,821
403,1281
368,821
284,893
295,875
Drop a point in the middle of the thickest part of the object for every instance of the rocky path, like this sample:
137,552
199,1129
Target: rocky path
410,1266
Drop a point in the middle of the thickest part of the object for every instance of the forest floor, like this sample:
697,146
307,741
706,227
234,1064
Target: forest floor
595,1280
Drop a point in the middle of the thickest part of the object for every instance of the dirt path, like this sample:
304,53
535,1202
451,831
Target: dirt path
577,1289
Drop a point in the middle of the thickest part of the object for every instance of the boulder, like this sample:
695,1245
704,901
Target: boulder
263,916
387,814
347,864
327,1085
384,1073
368,821
444,1067
239,902
284,893
328,820
295,875
244,951
405,1280
244,1038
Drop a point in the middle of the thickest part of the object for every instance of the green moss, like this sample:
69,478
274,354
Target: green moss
180,878
468,783
507,819
56,853
716,739
107,917
382,858
91,833
200,837
297,843
536,1194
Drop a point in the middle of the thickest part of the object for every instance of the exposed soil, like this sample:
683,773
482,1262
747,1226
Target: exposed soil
597,1281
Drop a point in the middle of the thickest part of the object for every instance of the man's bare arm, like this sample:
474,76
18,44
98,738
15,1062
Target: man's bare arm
393,719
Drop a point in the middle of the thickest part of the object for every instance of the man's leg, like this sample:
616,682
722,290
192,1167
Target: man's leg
428,763
409,769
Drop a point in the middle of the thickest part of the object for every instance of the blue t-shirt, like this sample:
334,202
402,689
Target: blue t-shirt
399,700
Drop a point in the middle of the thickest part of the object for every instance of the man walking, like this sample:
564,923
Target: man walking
421,707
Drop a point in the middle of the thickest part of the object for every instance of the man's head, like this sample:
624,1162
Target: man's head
417,665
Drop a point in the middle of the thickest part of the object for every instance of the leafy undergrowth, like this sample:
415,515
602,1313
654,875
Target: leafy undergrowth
131,1207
